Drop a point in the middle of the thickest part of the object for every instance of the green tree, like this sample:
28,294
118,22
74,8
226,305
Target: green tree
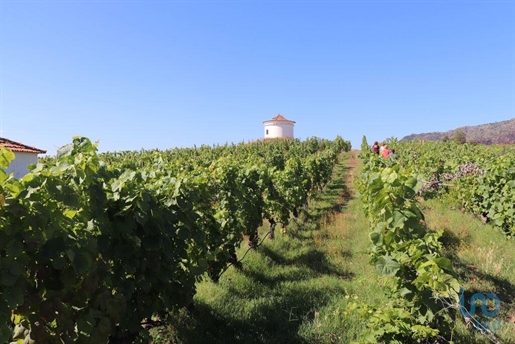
459,136
364,144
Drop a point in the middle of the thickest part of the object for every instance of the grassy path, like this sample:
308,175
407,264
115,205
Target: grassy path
290,289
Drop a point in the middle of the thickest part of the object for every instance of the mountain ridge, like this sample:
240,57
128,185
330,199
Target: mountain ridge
502,132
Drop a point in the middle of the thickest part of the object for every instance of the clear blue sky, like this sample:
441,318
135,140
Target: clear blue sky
162,74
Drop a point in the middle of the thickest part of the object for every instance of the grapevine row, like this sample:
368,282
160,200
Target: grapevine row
481,178
420,282
92,246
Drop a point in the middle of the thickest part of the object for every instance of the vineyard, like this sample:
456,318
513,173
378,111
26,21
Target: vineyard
266,242
421,282
426,295
94,247
481,178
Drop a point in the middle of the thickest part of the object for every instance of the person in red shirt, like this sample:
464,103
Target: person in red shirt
381,149
386,152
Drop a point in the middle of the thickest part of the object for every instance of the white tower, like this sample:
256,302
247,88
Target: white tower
278,127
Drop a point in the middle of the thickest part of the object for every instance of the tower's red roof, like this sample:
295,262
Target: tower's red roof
280,118
19,147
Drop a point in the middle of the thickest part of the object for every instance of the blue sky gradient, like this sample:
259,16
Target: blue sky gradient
163,74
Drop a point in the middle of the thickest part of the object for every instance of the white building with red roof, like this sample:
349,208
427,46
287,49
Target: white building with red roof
278,127
24,156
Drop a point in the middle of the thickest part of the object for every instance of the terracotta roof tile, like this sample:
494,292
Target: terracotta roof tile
280,118
19,147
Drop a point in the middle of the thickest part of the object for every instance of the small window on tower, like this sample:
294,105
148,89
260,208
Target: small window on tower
267,132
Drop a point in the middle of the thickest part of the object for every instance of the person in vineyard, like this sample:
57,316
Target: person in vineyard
375,148
386,151
392,154
381,149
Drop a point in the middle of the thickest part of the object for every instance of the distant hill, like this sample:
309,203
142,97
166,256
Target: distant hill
491,133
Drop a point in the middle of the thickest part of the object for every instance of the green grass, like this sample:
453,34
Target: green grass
484,259
293,289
